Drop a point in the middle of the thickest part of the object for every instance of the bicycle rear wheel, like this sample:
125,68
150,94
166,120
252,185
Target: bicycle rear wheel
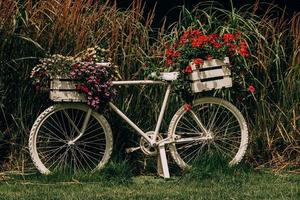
51,139
212,127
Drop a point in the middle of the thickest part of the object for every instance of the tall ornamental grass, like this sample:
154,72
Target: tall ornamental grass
30,30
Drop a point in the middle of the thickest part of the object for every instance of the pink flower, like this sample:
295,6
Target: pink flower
209,57
78,87
85,89
37,87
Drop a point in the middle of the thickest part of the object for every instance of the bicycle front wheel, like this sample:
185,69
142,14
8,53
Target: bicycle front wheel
53,145
213,126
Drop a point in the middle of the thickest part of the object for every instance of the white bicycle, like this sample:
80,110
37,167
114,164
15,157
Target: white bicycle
70,136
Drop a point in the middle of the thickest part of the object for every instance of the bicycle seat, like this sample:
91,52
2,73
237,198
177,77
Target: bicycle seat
169,76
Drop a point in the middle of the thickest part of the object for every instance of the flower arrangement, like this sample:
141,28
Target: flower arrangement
94,81
91,69
195,46
54,65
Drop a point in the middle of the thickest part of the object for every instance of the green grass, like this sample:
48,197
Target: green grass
30,29
238,185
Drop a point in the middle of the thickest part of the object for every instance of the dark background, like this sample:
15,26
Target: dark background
168,7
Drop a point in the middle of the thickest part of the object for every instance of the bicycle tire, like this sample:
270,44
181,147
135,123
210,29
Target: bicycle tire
51,133
182,122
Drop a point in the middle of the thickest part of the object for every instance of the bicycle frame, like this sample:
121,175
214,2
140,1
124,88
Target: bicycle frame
163,168
152,141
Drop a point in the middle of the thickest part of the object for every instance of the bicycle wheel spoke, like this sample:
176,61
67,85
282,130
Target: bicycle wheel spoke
193,127
85,158
196,154
212,121
71,122
94,141
228,123
188,145
50,136
78,122
228,144
224,151
56,152
52,132
79,158
91,126
95,148
64,125
59,160
93,136
57,121
191,153
186,149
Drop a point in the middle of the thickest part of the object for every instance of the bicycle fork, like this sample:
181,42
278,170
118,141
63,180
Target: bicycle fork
83,128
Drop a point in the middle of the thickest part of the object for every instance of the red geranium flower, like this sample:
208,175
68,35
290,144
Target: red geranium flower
188,69
217,45
227,37
199,41
187,106
213,37
238,34
251,89
198,61
243,49
169,52
169,61
232,47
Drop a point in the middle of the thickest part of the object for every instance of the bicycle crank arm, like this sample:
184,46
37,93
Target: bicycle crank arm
132,149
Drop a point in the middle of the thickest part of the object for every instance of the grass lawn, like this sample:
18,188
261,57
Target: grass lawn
212,184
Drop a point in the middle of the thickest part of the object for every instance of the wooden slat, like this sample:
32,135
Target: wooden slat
198,75
72,96
209,64
212,63
62,85
199,86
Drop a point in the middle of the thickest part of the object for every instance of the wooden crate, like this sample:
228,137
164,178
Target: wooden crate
64,90
214,74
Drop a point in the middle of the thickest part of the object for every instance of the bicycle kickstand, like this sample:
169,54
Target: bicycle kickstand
162,162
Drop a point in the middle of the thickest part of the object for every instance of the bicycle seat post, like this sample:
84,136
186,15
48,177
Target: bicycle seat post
162,162
161,114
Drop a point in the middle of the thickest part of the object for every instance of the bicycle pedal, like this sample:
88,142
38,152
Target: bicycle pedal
132,149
